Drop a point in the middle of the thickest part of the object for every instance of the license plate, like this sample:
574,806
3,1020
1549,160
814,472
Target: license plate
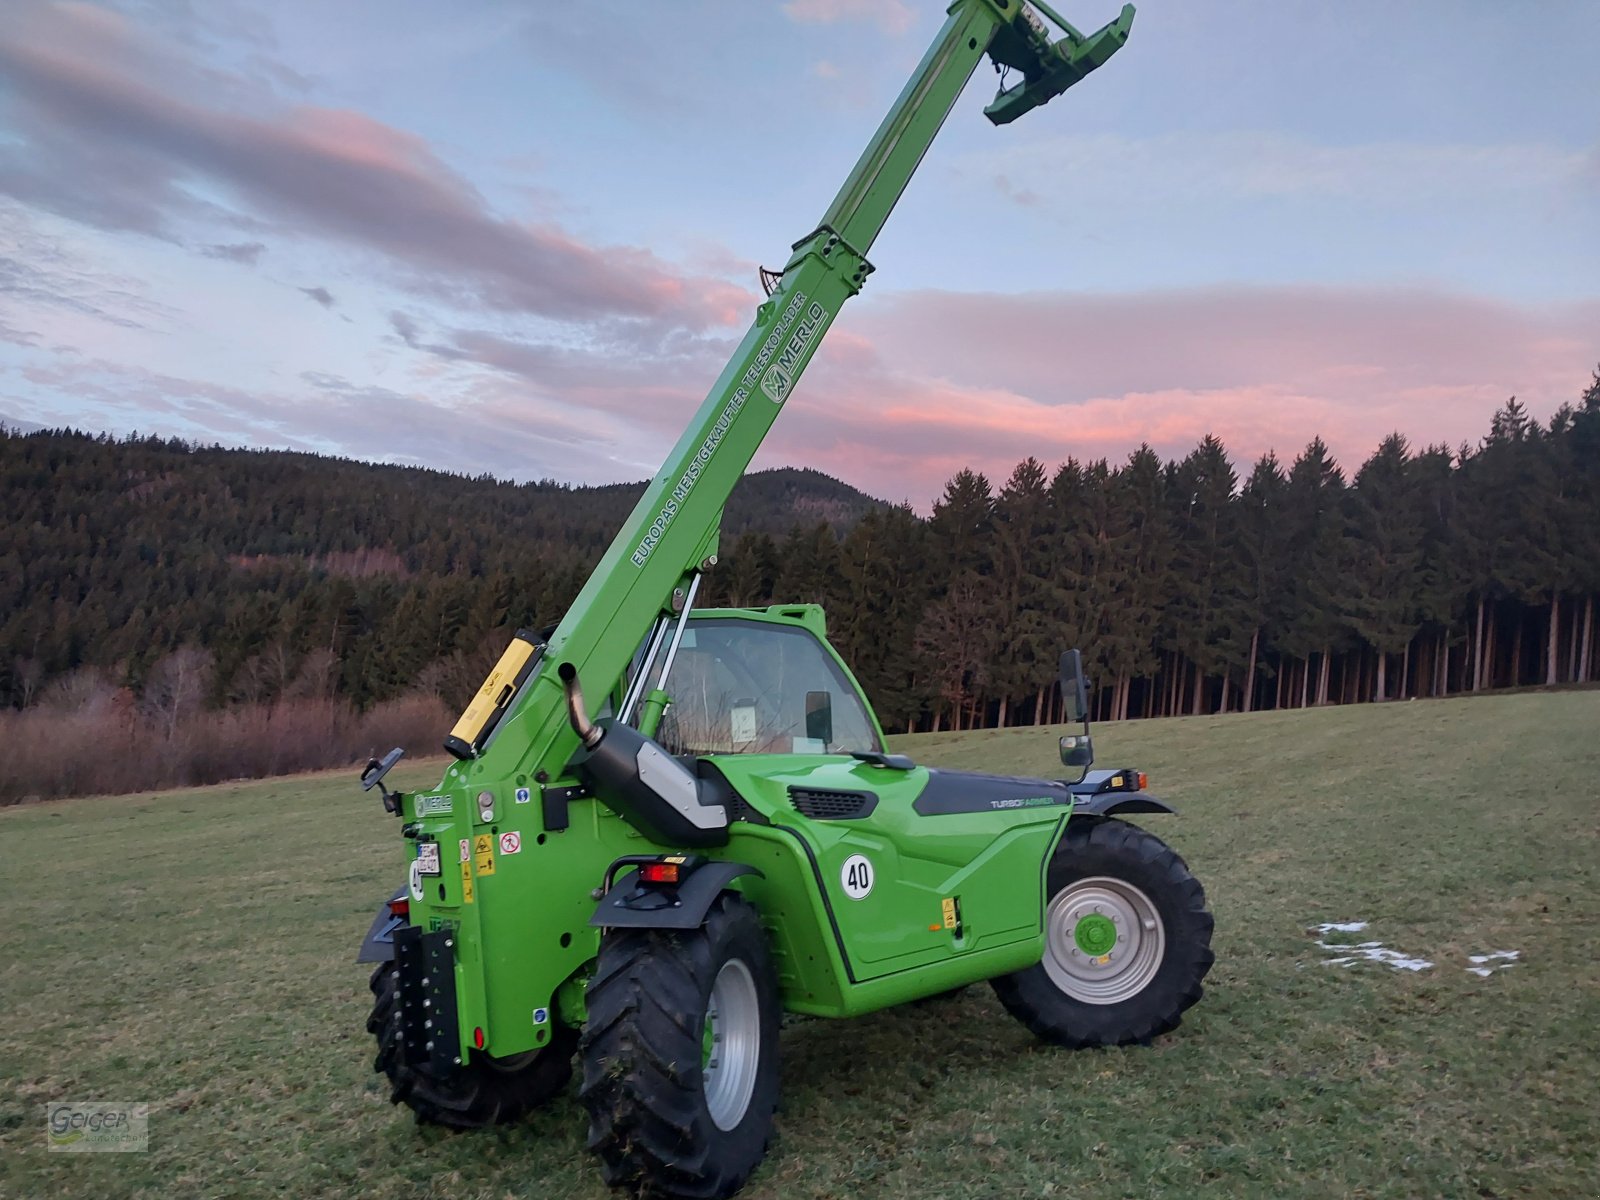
428,858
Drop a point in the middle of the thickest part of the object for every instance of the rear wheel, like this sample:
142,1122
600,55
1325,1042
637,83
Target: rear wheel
485,1091
1127,940
680,1054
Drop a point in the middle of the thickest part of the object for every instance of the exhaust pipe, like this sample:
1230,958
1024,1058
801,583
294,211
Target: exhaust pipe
577,712
639,781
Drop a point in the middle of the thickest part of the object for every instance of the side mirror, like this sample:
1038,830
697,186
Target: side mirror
372,777
1077,750
819,717
1073,689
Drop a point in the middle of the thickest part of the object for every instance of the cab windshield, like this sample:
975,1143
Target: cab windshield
753,687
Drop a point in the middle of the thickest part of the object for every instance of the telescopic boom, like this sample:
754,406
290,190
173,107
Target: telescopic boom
519,723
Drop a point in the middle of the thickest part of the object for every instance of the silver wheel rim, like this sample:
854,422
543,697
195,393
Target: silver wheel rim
1096,962
733,1044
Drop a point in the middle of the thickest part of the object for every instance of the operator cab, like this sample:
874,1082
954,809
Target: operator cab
763,681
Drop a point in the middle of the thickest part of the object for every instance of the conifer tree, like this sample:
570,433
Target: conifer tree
1027,645
1263,554
1318,558
1386,584
1206,612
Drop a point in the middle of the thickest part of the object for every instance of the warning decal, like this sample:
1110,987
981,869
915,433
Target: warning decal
483,854
511,843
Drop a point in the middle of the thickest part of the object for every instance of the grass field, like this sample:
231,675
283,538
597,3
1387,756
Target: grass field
194,950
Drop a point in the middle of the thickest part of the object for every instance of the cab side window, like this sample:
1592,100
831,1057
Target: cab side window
751,687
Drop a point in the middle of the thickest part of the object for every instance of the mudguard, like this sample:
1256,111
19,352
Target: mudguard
628,906
378,946
1106,804
1104,793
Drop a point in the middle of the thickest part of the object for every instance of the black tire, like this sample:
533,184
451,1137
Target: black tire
650,1121
1165,968
483,1092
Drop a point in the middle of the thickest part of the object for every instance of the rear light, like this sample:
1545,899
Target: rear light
659,872
477,1037
400,906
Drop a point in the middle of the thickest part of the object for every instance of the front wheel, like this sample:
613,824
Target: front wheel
680,1054
1127,940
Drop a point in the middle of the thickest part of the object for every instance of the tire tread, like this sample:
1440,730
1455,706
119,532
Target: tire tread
641,1053
478,1096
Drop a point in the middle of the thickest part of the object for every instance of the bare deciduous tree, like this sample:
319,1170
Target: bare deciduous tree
27,673
87,690
318,676
177,687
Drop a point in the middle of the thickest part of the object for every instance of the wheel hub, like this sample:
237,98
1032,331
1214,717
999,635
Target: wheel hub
1095,934
1104,940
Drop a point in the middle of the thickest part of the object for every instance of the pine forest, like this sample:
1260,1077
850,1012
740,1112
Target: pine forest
201,613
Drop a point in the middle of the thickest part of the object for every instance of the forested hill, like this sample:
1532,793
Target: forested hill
131,568
115,552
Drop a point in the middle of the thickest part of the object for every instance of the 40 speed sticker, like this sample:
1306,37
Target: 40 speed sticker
856,877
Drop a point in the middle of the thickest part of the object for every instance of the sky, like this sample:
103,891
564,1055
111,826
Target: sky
522,239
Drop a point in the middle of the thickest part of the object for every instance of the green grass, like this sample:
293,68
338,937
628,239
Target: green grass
193,950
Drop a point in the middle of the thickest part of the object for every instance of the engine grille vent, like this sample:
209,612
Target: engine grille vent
823,805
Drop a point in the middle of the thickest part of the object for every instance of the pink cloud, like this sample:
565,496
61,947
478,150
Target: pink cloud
358,138
113,129
916,385
911,388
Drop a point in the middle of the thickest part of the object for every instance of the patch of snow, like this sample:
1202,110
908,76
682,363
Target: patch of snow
1376,952
1345,954
1496,960
1348,955
1340,927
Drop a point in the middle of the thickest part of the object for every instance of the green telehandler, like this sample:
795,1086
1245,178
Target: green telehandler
665,826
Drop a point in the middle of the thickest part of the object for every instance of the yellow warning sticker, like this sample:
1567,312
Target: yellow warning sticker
466,883
483,854
949,912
